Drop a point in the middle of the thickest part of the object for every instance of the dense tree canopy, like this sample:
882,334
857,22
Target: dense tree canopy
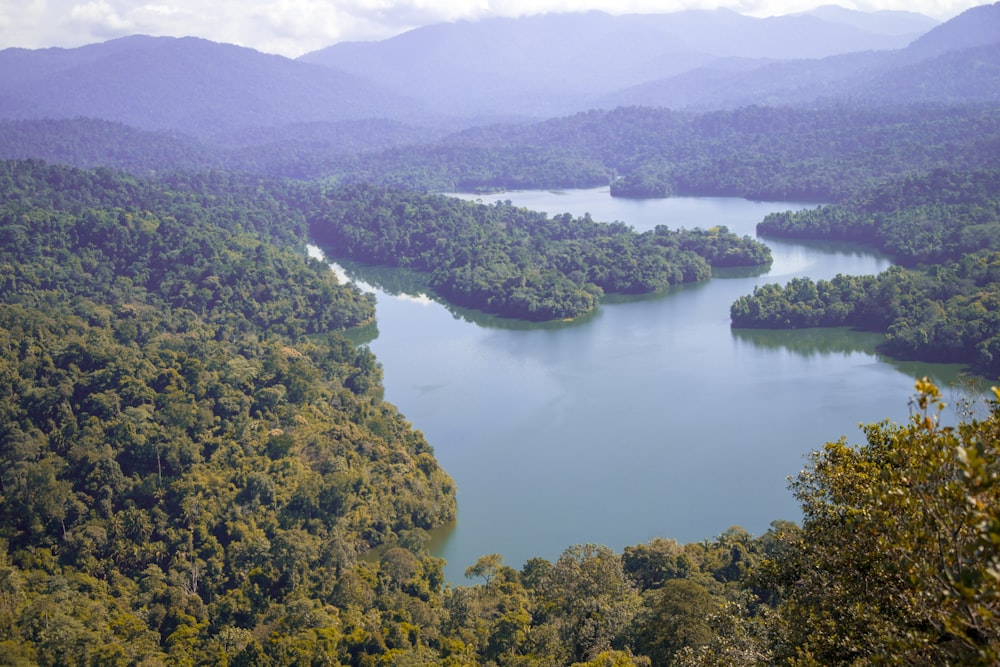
196,468
188,450
920,219
896,559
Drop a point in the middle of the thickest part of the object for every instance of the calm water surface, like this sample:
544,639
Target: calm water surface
650,418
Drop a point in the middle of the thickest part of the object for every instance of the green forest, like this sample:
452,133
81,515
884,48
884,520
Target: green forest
939,303
201,464
185,436
198,468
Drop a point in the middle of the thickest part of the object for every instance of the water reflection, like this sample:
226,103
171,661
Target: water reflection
362,335
733,272
413,285
392,280
811,342
961,382
843,249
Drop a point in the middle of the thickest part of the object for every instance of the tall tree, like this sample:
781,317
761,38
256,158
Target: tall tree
897,559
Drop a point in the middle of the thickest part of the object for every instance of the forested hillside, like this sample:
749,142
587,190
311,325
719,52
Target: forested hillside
824,154
940,304
189,450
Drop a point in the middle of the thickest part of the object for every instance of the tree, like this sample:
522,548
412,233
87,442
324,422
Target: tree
593,600
650,565
486,567
678,617
897,558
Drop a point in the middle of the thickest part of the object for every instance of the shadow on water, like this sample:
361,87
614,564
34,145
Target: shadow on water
440,537
730,272
508,323
840,248
412,284
846,341
362,335
392,280
811,342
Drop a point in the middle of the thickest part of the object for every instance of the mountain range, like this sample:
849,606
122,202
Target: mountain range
187,84
455,75
958,61
562,63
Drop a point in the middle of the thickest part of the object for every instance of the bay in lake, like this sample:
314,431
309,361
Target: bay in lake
649,418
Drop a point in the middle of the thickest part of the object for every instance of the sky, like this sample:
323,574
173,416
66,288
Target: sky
294,27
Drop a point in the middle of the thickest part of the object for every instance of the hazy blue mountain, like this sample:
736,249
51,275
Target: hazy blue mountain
558,63
453,75
909,25
953,62
966,75
979,26
187,83
21,66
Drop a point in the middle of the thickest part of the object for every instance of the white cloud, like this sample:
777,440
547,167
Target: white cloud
99,18
293,27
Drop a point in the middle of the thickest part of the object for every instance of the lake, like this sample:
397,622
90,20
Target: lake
651,417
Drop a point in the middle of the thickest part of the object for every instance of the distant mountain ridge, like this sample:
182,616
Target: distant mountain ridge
957,61
974,27
883,22
451,76
185,83
561,63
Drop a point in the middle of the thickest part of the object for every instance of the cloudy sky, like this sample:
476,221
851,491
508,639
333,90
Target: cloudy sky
294,27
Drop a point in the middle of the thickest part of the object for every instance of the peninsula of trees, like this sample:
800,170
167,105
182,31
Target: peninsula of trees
939,304
509,261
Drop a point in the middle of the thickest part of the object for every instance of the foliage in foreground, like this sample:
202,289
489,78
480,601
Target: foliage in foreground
896,562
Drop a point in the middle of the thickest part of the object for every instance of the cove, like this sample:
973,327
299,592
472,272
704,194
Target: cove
650,417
